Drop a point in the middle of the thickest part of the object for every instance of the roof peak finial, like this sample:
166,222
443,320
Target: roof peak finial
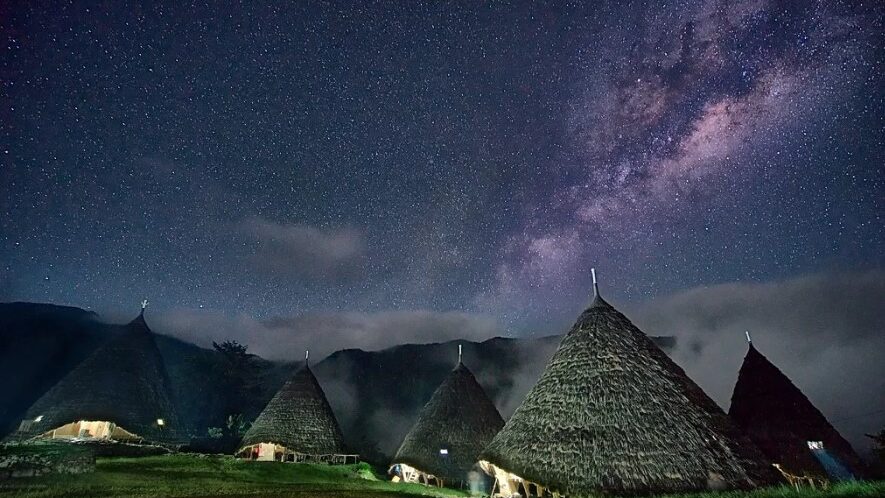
595,284
144,303
749,339
306,355
459,354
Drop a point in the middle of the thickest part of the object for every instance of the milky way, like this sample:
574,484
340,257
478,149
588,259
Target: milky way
283,160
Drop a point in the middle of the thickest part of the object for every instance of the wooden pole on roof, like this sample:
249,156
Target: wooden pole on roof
595,284
749,339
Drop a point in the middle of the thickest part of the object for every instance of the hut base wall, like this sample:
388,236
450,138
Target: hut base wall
508,484
413,475
271,452
90,429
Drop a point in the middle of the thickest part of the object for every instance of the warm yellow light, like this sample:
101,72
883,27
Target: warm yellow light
39,418
160,422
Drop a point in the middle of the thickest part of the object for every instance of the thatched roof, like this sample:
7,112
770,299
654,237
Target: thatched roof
613,414
124,381
298,417
781,420
459,418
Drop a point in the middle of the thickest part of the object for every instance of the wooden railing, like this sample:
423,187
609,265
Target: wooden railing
806,480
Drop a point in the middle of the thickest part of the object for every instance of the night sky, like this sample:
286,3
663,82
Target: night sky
467,158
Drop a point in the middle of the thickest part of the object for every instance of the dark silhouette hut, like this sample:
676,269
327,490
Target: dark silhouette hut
120,392
786,426
297,424
613,414
452,428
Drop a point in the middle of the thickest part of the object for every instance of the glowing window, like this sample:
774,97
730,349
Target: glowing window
39,418
815,445
443,451
160,422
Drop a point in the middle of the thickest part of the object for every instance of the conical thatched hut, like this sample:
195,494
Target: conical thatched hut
612,414
120,392
786,426
452,428
296,425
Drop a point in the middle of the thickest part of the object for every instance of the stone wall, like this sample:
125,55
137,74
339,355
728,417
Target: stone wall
36,459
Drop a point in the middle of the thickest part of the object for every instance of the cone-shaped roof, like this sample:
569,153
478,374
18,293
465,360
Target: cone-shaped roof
781,420
298,417
612,413
459,418
124,381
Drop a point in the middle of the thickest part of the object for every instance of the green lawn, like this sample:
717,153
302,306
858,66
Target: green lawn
195,476
874,489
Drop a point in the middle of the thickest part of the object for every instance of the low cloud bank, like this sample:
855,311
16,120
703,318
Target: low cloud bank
303,250
286,338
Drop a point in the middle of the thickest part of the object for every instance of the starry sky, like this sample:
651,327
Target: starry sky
271,160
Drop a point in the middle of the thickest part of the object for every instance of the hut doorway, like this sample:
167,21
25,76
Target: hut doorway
263,452
91,429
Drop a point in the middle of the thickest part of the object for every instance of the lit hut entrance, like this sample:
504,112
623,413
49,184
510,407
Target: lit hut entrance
91,429
508,484
406,473
272,452
297,425
264,452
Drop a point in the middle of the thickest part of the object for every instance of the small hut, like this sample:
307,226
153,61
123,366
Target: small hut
297,425
786,426
452,428
120,392
612,414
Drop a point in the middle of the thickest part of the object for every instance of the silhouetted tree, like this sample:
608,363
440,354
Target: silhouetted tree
879,448
239,383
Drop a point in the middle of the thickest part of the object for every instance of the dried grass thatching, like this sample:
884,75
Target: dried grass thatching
613,414
459,418
298,417
781,420
124,381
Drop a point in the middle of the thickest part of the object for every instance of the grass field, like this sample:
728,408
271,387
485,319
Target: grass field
874,489
194,476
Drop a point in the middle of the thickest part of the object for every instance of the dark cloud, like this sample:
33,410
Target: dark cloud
824,331
302,250
286,338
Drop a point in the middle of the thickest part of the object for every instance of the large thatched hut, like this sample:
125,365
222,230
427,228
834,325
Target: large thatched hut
612,414
786,426
296,425
120,392
452,428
